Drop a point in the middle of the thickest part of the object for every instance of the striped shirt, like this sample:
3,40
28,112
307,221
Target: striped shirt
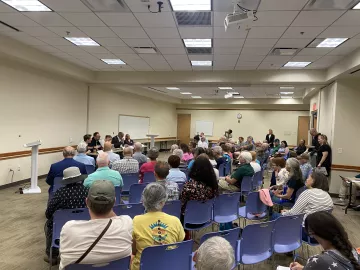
311,201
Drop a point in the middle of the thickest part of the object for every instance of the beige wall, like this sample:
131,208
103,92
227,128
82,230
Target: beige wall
36,105
253,122
327,111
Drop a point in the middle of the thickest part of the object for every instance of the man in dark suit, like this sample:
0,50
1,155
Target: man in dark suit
56,169
270,138
95,142
118,140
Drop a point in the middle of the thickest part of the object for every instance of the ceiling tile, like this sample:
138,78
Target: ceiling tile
305,58
37,31
138,6
47,48
303,32
248,64
168,43
354,42
110,41
293,43
48,18
162,32
6,8
342,50
328,60
129,32
275,18
245,68
256,51
107,55
196,32
138,42
197,57
340,32
317,18
99,32
228,42
267,65
29,40
266,32
95,49
182,68
139,65
233,32
225,60
315,51
281,60
282,5
63,31
120,50
66,5
180,59
118,19
227,50
350,18
172,51
157,62
148,20
83,19
260,42
17,19
199,68
129,58
70,48
55,41
216,67
251,58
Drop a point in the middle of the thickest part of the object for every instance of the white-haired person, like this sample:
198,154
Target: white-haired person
233,182
215,253
112,156
82,157
154,227
138,155
128,164
173,147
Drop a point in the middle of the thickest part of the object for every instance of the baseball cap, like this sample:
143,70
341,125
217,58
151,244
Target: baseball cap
102,192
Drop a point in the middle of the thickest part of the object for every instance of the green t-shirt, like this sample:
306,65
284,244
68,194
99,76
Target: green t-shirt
244,170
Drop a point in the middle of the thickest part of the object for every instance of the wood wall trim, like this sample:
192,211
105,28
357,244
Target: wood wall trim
345,168
237,109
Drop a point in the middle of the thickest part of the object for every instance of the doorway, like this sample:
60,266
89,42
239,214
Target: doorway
314,119
303,128
183,128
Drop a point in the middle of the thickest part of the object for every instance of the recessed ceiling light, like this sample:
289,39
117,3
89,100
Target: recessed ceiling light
228,95
114,61
357,6
201,63
238,97
197,43
82,41
286,93
27,5
297,64
195,96
172,88
287,87
313,88
331,42
286,97
225,88
234,93
185,93
190,5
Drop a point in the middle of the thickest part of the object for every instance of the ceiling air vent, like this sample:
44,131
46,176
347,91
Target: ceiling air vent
145,50
199,50
193,18
156,90
106,5
284,51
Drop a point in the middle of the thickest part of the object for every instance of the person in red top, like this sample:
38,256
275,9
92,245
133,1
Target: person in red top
153,154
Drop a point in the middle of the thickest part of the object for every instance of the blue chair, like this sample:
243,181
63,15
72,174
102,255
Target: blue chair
254,208
177,256
89,169
135,193
131,209
149,177
226,207
181,186
122,264
287,234
173,208
228,168
117,195
246,185
258,180
222,170
255,244
198,215
57,184
128,180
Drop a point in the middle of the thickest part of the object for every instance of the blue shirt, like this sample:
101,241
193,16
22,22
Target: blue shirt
85,159
190,164
176,175
104,173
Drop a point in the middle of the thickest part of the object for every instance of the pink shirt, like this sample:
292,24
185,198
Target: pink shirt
147,167
187,156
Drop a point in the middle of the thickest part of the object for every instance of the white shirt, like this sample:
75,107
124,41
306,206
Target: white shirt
77,236
256,166
203,144
213,162
113,157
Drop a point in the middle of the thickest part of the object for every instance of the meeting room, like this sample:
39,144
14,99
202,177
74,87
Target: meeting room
179,134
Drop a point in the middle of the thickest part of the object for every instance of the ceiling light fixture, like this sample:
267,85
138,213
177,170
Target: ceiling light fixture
194,5
287,87
297,64
286,97
82,41
286,93
198,43
172,88
27,5
225,88
228,95
113,61
185,93
201,63
195,96
357,6
233,93
331,42
238,97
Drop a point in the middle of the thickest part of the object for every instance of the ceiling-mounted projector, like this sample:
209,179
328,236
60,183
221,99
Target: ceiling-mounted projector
239,18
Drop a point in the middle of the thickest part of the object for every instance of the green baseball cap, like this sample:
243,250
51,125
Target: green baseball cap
102,192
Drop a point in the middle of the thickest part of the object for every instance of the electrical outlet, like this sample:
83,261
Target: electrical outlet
340,150
70,140
18,168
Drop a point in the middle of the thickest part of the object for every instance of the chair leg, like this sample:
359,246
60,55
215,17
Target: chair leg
50,258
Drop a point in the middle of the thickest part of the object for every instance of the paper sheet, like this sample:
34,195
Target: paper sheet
282,268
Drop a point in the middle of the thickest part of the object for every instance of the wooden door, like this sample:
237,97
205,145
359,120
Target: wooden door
315,122
303,128
183,128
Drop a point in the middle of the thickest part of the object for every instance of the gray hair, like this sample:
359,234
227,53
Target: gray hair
179,153
137,146
81,148
215,253
246,155
294,166
103,159
68,151
153,153
153,196
217,151
173,147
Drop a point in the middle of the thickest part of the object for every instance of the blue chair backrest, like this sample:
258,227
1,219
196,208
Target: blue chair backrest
222,170
149,177
118,195
63,216
172,208
227,168
300,190
254,204
231,236
247,184
198,212
128,180
135,192
181,186
177,256
188,161
57,184
89,169
257,179
122,264
131,209
256,239
288,230
227,204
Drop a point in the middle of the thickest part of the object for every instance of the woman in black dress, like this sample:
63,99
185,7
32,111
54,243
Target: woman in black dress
323,158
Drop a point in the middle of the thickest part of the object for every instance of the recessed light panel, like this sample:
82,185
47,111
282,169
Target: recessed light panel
331,42
197,43
225,88
172,88
114,61
297,64
287,87
286,93
27,5
185,93
201,63
357,6
195,96
82,41
234,93
183,5
286,97
228,95
238,97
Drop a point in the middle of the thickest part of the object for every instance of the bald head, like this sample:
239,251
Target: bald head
103,160
107,146
313,131
137,147
68,152
128,152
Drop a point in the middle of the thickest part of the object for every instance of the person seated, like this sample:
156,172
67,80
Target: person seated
280,174
78,235
226,147
192,146
283,150
95,143
175,175
154,227
218,154
240,143
202,185
108,138
173,147
180,154
305,165
198,151
276,146
138,155
103,172
87,140
57,169
338,252
255,165
202,134
262,153
118,141
112,156
71,195
248,145
161,172
81,155
214,254
301,148
202,143
128,164
187,154
294,183
233,182
128,141
209,152
149,166
344,190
